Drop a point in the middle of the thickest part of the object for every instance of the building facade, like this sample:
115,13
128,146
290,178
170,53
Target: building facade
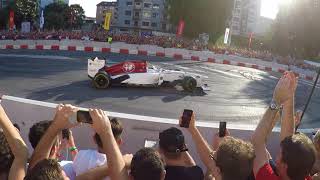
245,16
107,7
44,3
4,3
141,15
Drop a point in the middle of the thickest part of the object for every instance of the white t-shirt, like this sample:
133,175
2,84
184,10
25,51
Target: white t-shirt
67,167
88,159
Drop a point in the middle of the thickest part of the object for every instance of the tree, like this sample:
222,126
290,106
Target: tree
209,16
28,9
76,16
296,30
56,16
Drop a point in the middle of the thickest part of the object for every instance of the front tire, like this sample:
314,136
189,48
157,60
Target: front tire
189,84
101,80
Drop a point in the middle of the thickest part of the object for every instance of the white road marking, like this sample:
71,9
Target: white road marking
222,72
242,126
181,67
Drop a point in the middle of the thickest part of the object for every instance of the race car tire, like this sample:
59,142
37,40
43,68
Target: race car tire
101,80
189,84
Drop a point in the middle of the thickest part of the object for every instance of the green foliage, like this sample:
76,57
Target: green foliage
56,16
28,9
209,16
76,16
60,16
296,31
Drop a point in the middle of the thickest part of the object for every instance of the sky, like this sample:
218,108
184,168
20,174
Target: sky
269,8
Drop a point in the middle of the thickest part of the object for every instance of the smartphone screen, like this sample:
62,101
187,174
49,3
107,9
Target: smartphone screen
84,117
222,129
150,143
65,134
186,118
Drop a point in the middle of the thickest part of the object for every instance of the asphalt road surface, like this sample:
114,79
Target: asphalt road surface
238,94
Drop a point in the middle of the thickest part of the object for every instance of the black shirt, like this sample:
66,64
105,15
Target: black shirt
184,173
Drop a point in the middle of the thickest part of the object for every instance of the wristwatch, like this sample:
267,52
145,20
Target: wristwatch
274,106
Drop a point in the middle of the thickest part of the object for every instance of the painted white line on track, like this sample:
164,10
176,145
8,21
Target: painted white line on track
181,67
36,56
249,127
222,72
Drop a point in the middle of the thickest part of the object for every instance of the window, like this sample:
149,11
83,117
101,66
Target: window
136,14
236,28
127,22
156,6
154,15
154,24
129,3
236,19
138,4
146,14
145,23
136,23
128,13
164,26
147,5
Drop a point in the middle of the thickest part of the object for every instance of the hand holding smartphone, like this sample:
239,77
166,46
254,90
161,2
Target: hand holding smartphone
84,117
222,129
186,118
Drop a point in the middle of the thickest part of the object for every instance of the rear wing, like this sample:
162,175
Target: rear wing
94,66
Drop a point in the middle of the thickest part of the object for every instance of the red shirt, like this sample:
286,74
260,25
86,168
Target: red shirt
266,173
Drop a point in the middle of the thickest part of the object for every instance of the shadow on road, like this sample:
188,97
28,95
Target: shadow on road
82,91
263,90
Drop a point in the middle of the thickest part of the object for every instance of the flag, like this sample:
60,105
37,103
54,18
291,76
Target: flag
41,20
180,28
11,19
107,20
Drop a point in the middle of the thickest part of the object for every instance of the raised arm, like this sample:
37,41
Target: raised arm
101,124
202,146
61,121
95,173
265,126
17,145
288,121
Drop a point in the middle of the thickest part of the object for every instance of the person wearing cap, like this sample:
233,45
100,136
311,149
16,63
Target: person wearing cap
179,163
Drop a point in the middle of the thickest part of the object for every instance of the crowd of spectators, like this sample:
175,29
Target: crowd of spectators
162,41
227,158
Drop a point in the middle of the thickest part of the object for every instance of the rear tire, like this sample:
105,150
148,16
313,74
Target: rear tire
101,80
189,84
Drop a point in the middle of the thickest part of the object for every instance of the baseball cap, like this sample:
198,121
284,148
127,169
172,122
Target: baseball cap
172,140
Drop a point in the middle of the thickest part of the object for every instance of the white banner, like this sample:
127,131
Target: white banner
41,20
226,36
25,27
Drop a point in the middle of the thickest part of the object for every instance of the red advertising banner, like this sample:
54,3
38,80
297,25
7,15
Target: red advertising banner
180,28
11,20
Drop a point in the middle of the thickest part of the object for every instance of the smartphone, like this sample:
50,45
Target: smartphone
84,117
65,134
222,129
150,143
186,118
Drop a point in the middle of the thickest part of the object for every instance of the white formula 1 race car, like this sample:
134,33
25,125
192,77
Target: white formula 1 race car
142,73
